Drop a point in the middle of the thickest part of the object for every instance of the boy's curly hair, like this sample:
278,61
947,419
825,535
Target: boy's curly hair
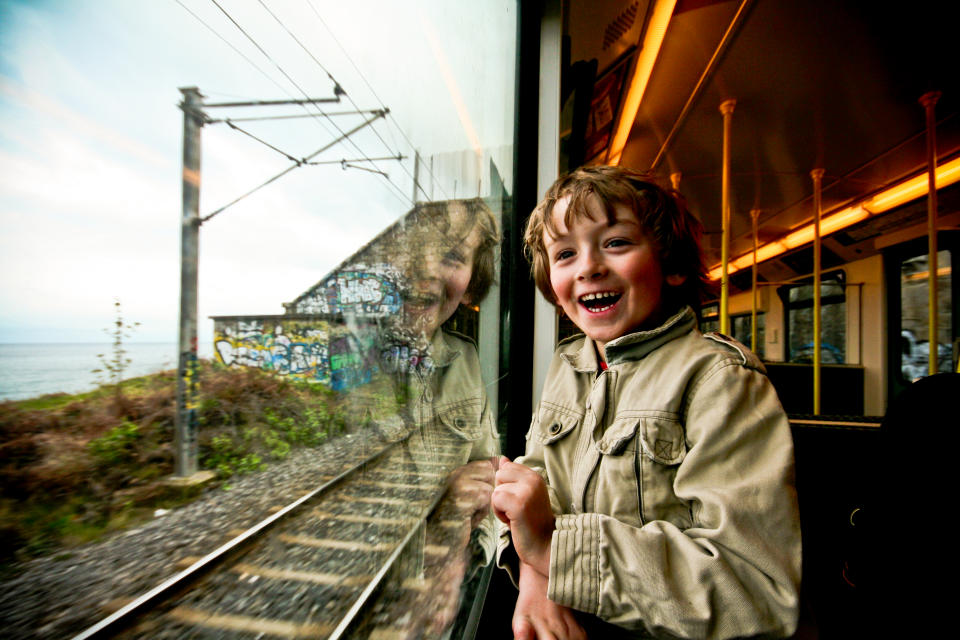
662,214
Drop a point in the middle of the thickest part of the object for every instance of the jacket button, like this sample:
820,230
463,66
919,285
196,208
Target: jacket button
460,422
555,428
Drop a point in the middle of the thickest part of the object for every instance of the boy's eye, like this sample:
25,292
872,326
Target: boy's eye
564,254
454,257
617,242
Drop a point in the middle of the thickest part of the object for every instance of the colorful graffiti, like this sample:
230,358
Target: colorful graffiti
402,358
359,292
309,350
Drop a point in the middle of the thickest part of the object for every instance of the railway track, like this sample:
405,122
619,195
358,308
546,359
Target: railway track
377,551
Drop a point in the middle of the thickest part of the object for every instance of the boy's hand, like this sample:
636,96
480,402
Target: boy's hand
471,486
536,617
521,500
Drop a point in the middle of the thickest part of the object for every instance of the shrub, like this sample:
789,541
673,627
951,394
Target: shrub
117,446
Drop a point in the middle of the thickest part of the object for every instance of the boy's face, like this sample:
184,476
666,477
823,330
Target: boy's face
437,279
606,278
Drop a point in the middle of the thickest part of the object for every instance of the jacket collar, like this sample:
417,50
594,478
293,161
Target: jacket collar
633,346
444,349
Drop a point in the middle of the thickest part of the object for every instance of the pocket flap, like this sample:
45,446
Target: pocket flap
554,424
463,420
662,440
616,437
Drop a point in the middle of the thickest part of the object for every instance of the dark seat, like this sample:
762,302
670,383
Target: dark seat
903,545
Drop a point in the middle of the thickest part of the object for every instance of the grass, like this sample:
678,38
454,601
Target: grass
75,467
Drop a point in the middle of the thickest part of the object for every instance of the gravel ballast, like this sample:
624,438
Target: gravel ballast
61,595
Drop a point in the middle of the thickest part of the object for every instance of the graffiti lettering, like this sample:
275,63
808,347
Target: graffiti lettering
310,351
362,293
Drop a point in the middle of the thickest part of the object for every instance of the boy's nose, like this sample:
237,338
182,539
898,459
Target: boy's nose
591,267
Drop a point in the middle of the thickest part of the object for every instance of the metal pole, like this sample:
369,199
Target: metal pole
416,175
817,175
185,436
929,102
754,218
726,108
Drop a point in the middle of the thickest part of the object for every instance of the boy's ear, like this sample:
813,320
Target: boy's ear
676,279
466,299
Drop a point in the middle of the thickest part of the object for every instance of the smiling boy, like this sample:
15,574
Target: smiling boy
656,494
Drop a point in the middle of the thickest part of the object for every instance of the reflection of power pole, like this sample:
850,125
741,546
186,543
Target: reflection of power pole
194,117
416,176
185,437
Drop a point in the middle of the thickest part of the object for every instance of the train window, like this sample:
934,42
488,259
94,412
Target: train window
740,325
914,315
798,317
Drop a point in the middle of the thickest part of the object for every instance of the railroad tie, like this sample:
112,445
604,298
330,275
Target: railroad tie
268,626
312,577
329,543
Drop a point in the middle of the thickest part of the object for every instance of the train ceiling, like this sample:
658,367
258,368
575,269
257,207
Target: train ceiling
818,83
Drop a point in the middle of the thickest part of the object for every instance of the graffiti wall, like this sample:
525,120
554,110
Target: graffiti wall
358,292
309,349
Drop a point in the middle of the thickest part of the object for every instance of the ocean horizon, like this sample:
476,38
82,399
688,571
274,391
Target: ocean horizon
29,370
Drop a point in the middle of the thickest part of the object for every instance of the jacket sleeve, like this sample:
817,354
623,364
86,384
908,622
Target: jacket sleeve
736,570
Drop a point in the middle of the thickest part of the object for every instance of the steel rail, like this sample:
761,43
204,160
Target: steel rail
158,594
350,616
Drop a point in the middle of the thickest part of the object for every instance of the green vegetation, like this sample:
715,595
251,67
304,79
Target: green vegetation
73,467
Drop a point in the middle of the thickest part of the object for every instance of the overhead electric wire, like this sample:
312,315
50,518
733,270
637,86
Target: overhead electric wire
264,142
332,79
402,196
297,163
378,99
399,193
229,44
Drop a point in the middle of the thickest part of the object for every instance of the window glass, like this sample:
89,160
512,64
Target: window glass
739,325
914,331
355,165
798,301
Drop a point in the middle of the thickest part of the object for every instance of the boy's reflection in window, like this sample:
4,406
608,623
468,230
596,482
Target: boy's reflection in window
446,256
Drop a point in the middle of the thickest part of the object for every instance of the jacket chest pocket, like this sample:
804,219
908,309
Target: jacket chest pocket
463,419
640,456
556,430
661,449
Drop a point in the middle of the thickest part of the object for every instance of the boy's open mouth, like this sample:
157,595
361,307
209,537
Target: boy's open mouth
419,301
600,301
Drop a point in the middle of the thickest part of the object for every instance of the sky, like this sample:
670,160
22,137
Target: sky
91,139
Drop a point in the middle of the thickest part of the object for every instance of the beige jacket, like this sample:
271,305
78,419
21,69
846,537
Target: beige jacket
671,474
446,402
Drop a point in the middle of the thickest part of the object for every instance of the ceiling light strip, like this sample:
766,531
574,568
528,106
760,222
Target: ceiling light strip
652,41
947,174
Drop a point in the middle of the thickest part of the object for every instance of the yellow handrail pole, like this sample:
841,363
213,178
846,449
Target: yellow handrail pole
929,102
726,108
754,217
675,180
817,175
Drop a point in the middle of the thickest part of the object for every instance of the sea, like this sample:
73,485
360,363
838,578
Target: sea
31,370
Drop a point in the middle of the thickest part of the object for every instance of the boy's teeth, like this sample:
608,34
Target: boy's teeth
597,296
597,302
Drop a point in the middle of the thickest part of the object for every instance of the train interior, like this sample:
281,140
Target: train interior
775,111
